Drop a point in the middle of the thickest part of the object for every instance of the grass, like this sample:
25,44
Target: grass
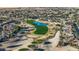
37,42
30,21
31,46
41,30
23,49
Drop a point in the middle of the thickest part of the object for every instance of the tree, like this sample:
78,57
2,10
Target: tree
37,42
23,49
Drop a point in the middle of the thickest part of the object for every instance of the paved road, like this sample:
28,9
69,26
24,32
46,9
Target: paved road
55,40
25,44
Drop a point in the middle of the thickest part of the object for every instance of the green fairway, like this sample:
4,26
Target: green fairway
39,29
30,21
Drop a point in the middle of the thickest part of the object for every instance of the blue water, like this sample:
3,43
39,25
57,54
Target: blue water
39,24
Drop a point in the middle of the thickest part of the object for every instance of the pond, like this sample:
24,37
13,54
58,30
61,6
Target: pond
39,24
